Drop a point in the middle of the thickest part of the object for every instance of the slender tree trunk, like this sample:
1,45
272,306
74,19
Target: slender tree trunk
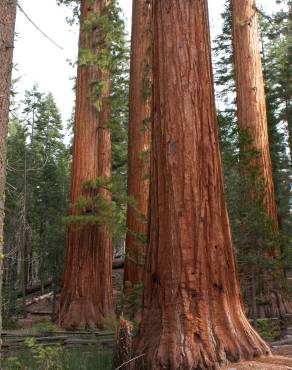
139,141
192,311
288,86
7,27
252,118
86,297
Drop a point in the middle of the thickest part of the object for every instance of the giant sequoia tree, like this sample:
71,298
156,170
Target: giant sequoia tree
7,26
86,296
139,140
256,169
192,310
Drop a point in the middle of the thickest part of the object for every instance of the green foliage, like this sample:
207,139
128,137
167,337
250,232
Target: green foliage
36,196
45,358
109,51
268,329
131,302
46,327
93,358
49,358
252,228
277,60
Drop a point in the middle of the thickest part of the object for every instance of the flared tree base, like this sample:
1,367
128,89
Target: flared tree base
179,346
79,313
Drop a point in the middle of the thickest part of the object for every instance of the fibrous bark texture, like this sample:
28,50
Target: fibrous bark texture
251,102
252,120
86,297
7,27
139,140
192,309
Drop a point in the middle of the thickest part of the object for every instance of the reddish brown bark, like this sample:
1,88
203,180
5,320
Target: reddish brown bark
7,27
252,120
86,296
139,140
251,102
192,310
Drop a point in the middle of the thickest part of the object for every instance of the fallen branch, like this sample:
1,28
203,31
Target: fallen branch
128,362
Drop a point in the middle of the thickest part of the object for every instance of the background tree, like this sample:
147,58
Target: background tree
191,286
254,213
275,45
37,200
7,21
258,196
139,141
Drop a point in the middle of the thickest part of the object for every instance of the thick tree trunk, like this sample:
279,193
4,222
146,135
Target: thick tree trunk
7,27
86,296
252,116
192,310
139,141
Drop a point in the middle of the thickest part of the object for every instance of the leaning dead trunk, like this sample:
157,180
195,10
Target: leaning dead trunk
7,27
192,316
255,154
86,296
123,345
139,141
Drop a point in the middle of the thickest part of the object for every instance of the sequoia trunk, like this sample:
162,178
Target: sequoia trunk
7,27
192,315
252,120
139,141
86,297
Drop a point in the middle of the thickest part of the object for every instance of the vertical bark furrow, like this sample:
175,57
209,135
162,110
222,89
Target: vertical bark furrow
86,297
139,140
192,311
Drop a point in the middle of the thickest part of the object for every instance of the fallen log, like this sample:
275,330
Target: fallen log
118,263
36,287
38,299
282,342
40,313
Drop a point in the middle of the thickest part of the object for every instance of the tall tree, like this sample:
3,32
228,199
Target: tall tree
86,296
38,164
251,103
277,45
286,79
192,311
139,141
7,21
252,121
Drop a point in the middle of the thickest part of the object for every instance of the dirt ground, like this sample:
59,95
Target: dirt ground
267,363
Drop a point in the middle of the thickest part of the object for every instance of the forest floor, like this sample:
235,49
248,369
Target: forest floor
38,319
267,363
